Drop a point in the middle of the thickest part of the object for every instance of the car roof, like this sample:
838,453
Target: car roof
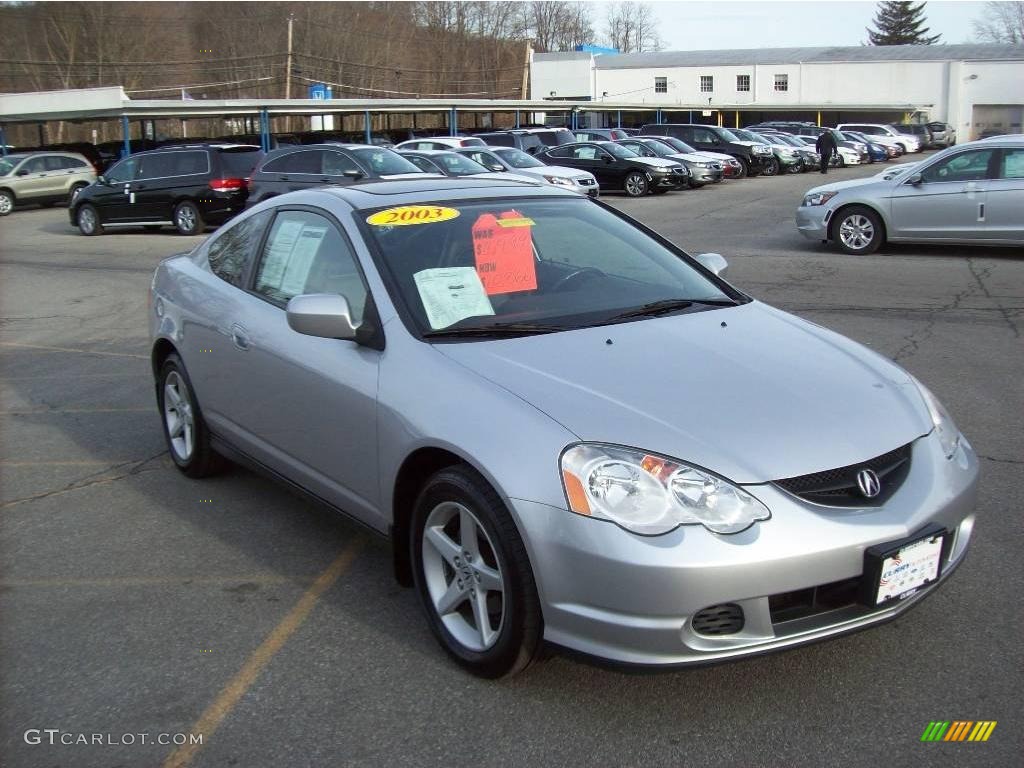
410,151
374,194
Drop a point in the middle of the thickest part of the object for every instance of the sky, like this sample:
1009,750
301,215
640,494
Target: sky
769,24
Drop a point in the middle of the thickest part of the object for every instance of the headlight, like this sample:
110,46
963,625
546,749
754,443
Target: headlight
651,495
787,153
818,198
558,181
949,436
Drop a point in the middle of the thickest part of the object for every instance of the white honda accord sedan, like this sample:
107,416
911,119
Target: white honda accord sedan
570,430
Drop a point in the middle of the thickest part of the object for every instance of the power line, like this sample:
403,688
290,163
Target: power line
201,85
516,68
407,93
53,63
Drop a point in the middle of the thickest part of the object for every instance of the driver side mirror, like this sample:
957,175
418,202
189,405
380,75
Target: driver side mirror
353,174
608,159
713,262
326,315
915,180
101,179
496,167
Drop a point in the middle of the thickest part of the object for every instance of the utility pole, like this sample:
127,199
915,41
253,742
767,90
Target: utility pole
526,70
288,72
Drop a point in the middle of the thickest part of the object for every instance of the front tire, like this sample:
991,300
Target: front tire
744,169
188,439
857,230
473,575
636,185
74,193
6,202
88,221
187,218
771,168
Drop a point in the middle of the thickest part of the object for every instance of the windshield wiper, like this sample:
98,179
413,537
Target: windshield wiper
496,329
665,306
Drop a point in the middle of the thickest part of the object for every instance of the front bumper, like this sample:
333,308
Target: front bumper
812,221
588,187
705,175
631,599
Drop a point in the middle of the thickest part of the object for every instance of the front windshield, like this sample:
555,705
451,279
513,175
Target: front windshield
517,158
384,162
661,150
618,150
677,144
747,136
458,165
728,135
8,163
527,261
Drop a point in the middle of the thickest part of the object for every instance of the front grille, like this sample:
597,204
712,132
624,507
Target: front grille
715,620
802,603
838,487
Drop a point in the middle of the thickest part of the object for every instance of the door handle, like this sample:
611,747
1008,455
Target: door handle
325,180
239,338
140,186
285,178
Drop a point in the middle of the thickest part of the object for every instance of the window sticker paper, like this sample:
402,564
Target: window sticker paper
503,250
278,252
411,214
451,294
300,261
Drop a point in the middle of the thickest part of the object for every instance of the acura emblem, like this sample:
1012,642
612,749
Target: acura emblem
869,483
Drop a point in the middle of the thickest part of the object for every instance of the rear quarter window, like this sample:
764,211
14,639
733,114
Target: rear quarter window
240,163
233,248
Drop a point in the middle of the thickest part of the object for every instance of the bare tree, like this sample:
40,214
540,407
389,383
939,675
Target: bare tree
558,25
632,27
1001,22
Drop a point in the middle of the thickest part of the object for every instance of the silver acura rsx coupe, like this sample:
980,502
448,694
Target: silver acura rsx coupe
571,430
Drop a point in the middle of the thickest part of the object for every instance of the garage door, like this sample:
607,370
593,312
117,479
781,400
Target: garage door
996,118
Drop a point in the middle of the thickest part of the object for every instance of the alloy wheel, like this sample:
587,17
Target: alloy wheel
178,416
635,185
856,232
463,576
87,220
186,218
6,203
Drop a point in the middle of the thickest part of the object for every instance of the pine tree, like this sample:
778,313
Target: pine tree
900,23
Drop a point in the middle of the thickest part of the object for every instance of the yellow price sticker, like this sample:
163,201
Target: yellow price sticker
411,214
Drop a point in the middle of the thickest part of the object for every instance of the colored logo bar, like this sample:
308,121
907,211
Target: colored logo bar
958,730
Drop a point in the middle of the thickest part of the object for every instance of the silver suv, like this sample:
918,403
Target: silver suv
46,178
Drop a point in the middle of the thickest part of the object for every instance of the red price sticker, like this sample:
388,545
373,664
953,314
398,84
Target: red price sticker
503,249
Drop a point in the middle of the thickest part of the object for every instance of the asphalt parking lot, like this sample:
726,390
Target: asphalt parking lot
135,601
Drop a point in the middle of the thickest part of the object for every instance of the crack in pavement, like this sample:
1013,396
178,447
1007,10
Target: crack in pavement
915,339
1000,461
134,467
979,275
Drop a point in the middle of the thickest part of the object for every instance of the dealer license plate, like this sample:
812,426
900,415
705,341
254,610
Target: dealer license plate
903,571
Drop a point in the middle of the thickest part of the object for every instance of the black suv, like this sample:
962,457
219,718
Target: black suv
753,157
616,167
312,165
185,186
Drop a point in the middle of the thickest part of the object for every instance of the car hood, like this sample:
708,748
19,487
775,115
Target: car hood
749,392
691,157
654,162
839,186
559,171
503,175
720,156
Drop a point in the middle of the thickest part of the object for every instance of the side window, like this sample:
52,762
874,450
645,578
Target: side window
188,163
123,171
336,163
704,136
233,247
55,163
307,161
964,166
585,153
305,253
156,166
1012,166
35,165
501,140
73,162
422,163
563,152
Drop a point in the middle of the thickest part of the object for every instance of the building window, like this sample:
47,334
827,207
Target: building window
661,85
743,82
782,82
707,84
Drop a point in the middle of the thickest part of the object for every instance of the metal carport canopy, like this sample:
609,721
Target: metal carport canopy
114,103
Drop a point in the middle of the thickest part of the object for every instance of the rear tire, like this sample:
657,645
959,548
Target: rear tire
857,230
635,185
88,221
187,218
188,439
472,574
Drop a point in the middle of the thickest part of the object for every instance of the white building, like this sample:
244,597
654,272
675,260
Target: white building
973,87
